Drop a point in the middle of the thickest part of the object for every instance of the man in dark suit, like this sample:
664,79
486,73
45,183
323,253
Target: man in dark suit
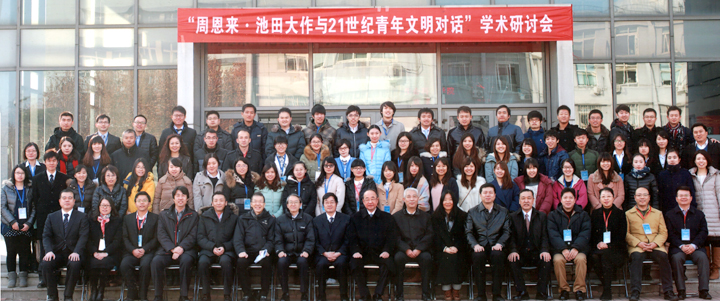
700,134
414,242
331,244
372,238
529,246
687,232
139,237
47,185
64,237
102,124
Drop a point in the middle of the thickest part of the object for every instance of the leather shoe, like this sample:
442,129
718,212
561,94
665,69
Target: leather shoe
344,298
681,294
580,296
522,296
541,296
377,297
42,284
606,296
498,298
304,297
635,296
285,297
704,295
481,298
565,295
670,296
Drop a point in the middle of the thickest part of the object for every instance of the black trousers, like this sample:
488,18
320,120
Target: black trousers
228,271
18,246
636,264
127,268
606,262
160,262
531,259
699,258
283,268
497,262
425,262
321,269
357,266
242,270
51,278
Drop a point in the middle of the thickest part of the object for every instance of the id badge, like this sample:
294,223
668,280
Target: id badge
386,208
685,234
101,246
400,176
283,178
646,228
606,237
246,203
584,175
22,213
317,175
140,241
567,235
358,206
81,209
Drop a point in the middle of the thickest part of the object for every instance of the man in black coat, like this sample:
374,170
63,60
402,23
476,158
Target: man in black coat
649,130
64,237
180,127
356,187
529,246
353,130
700,134
332,246
209,145
139,237
257,130
102,124
372,237
488,231
284,127
145,141
215,239
124,158
177,236
565,130
66,129
253,242
427,129
464,118
212,122
294,243
620,126
680,136
687,232
253,156
414,243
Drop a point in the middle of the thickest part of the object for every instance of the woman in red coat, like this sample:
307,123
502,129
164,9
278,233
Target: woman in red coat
540,184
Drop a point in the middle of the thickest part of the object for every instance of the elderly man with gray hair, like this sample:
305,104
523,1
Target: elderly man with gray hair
414,242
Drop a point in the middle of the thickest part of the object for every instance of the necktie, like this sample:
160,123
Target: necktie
527,222
332,219
66,221
52,179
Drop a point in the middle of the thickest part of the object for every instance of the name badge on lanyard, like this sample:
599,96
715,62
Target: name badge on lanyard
685,234
81,209
139,240
101,246
584,175
647,229
606,237
567,235
22,213
246,204
386,208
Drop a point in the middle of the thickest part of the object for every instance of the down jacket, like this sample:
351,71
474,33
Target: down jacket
173,233
203,189
307,193
10,200
254,233
163,191
551,163
258,135
214,233
310,159
118,195
86,200
295,137
578,223
707,194
235,192
374,162
581,197
356,139
419,139
294,235
641,178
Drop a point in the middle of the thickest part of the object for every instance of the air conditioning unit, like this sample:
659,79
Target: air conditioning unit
597,91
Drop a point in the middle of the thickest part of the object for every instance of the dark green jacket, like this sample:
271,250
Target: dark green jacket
590,165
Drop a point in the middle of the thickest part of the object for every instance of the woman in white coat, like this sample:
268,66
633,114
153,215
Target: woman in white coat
707,189
469,186
329,180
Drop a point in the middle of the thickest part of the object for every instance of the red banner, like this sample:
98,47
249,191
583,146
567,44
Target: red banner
372,25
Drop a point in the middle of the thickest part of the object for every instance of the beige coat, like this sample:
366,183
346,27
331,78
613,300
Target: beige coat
595,185
636,234
394,199
163,191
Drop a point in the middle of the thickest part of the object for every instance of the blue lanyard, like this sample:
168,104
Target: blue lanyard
319,161
95,169
345,168
400,161
583,158
567,184
327,181
619,162
82,195
246,192
32,169
299,191
434,158
21,196
387,192
281,162
384,128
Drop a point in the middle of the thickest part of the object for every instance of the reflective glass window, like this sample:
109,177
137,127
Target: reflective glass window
588,8
641,7
8,12
8,48
110,92
642,86
343,2
48,12
107,12
696,39
106,47
224,3
283,3
593,90
47,47
157,95
157,46
8,121
402,2
698,93
591,40
43,96
153,11
642,39
696,7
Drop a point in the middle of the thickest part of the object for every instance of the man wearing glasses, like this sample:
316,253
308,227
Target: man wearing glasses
102,124
145,141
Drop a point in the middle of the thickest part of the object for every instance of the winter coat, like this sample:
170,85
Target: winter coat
293,236
669,181
87,198
236,191
295,137
419,139
374,162
113,142
566,137
114,245
356,139
54,141
309,157
254,233
118,195
188,135
455,135
124,159
578,223
326,131
508,198
345,170
187,167
213,233
636,233
707,194
148,232
488,228
392,197
589,163
617,225
423,187
148,186
290,161
203,189
402,160
353,198
200,153
258,135
600,144
67,164
414,231
9,200
469,198
680,141
713,149
272,200
225,141
581,197
455,266
451,186
695,221
163,191
372,235
642,178
429,163
336,185
173,233
551,164
390,133
306,191
617,127
538,137
149,144
595,184
544,199
512,132
490,162
646,133
254,158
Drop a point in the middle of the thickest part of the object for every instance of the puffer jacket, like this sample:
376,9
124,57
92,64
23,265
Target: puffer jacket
599,145
88,192
296,140
272,200
118,195
488,228
254,233
326,131
590,164
356,139
550,164
163,191
455,135
374,162
187,167
213,233
352,202
616,127
640,178
310,159
538,137
566,136
173,233
512,132
544,200
580,225
429,163
148,186
669,180
419,139
9,200
490,162
595,184
307,193
294,235
236,190
258,135
707,194
149,144
577,184
54,141
203,189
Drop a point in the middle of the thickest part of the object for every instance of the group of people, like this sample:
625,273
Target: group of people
362,194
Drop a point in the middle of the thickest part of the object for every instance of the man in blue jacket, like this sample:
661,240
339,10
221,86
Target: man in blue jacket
504,128
536,131
551,158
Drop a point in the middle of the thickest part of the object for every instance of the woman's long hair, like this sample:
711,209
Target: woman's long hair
469,184
506,155
273,185
392,167
96,212
336,171
165,151
134,179
507,182
435,179
26,181
87,179
88,160
531,142
460,155
410,179
432,141
440,211
531,162
606,157
411,151
74,154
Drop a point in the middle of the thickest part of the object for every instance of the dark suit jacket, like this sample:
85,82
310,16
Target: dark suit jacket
54,238
113,237
372,235
331,238
149,233
113,142
538,240
46,197
695,221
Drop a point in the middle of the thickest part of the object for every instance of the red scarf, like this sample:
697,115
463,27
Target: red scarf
103,220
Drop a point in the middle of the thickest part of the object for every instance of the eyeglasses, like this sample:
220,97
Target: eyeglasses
105,206
353,115
329,166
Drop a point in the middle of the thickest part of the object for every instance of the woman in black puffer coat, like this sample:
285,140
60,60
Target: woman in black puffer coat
640,176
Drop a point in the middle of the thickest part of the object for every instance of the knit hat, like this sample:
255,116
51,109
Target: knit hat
534,114
318,108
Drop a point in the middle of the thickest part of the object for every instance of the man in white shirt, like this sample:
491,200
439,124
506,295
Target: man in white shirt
102,124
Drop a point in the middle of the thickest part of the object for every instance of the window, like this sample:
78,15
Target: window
642,39
641,86
626,74
586,75
507,76
593,90
665,74
43,96
625,40
8,120
110,92
583,113
157,95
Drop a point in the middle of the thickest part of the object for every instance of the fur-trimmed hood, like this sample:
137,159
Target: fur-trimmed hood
442,154
230,178
311,155
293,128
